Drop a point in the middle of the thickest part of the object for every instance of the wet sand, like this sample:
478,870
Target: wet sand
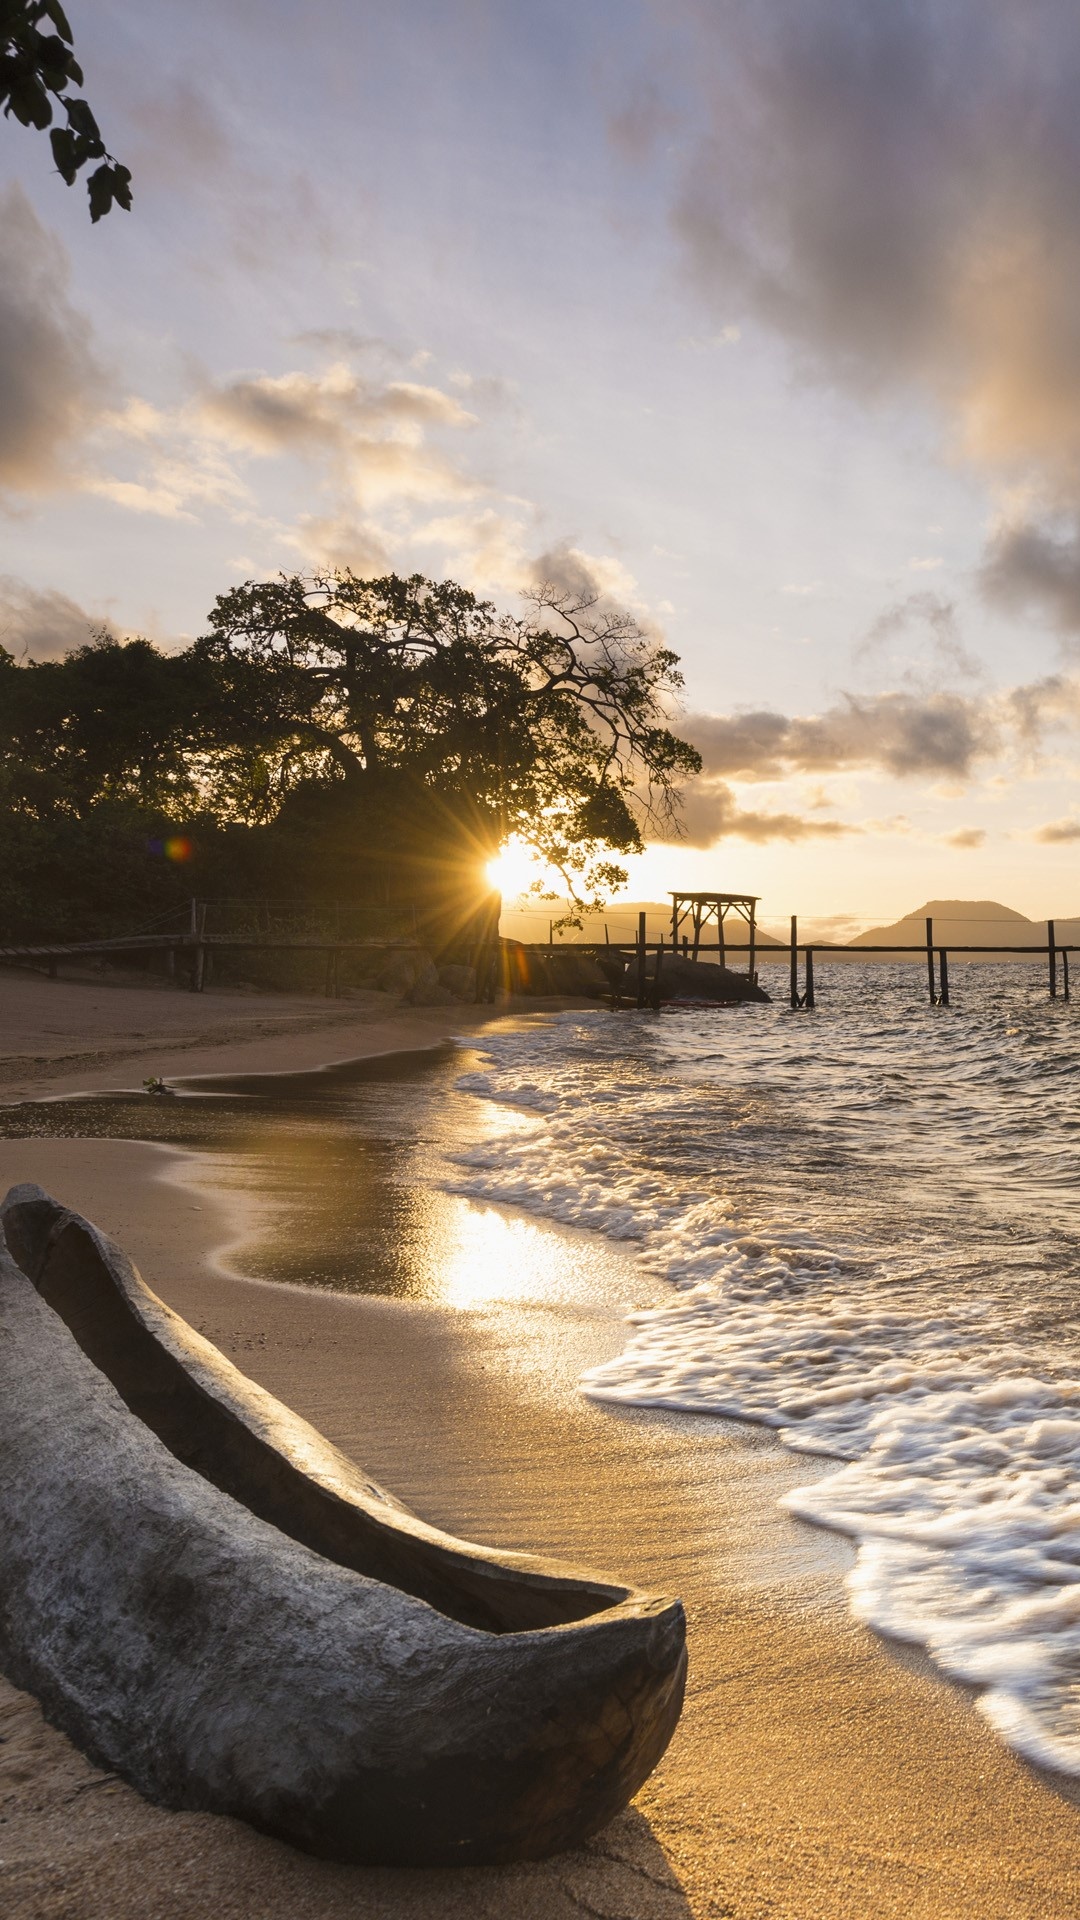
818,1773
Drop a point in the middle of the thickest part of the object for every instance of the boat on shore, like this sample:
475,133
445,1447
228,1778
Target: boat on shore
216,1603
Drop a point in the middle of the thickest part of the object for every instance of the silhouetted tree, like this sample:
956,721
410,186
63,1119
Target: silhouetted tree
411,699
113,721
334,739
36,67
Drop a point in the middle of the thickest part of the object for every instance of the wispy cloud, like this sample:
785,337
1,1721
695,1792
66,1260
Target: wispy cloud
711,812
893,189
52,385
40,622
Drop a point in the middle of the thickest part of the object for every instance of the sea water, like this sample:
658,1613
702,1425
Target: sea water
869,1219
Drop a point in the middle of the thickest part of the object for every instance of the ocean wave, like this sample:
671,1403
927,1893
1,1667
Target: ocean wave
904,1324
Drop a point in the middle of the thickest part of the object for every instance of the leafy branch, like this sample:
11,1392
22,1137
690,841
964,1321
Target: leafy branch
36,68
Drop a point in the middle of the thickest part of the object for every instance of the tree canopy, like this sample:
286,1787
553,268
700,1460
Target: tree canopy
552,726
337,738
37,65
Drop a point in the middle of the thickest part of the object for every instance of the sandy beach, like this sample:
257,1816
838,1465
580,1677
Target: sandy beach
819,1773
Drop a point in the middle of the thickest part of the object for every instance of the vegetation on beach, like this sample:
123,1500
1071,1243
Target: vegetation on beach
333,739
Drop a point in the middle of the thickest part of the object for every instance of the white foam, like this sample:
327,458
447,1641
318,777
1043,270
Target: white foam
961,1450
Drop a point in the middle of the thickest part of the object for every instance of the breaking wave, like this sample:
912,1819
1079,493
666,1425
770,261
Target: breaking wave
870,1222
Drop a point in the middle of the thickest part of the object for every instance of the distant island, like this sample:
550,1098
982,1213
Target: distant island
957,924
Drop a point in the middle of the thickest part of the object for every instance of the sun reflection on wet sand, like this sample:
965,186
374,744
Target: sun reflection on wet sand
498,1257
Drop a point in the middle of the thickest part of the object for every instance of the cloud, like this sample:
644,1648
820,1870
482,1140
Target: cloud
965,837
1044,706
586,576
1057,832
711,812
368,440
893,190
338,409
483,546
931,614
374,434
1028,569
50,382
340,542
937,734
344,343
41,622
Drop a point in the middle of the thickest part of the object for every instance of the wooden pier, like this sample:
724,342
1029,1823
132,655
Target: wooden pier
195,947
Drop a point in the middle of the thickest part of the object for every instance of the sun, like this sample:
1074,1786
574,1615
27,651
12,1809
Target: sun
514,869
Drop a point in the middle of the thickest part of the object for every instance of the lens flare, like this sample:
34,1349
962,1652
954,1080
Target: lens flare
514,869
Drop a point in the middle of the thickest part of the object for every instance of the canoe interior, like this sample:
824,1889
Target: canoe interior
254,1449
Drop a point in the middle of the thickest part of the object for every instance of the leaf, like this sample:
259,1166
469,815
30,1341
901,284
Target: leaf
30,103
106,184
81,118
63,144
122,186
55,12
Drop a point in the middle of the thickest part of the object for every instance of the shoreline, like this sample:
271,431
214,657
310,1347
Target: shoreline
72,1033
819,1773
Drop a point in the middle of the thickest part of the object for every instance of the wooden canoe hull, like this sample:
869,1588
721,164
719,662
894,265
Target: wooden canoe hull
214,1602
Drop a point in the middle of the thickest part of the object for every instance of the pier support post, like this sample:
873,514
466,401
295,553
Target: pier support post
794,962
808,998
943,976
656,977
1051,954
930,960
641,999
1065,972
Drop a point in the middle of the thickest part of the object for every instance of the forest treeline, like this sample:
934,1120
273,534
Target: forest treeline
331,740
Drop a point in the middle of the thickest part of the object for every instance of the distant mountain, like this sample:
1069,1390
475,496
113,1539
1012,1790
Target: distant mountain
957,923
968,923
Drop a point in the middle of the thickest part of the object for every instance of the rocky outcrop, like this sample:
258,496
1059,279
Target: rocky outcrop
211,1600
459,981
684,979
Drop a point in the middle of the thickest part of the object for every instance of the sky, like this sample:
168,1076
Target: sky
763,321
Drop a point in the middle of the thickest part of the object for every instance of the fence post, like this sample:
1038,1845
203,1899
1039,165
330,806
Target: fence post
943,973
794,961
198,928
930,960
1051,954
641,960
808,1001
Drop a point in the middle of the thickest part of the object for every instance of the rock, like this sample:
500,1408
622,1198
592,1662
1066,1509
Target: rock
459,981
571,972
695,980
406,970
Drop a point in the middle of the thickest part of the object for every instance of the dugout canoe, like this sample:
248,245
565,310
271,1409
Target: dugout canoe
213,1601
